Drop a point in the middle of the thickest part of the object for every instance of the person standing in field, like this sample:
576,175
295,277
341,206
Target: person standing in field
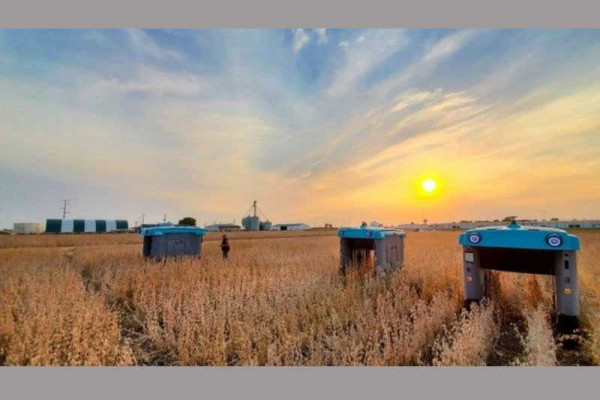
225,246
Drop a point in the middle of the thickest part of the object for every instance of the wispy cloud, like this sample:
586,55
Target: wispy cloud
149,80
145,45
362,57
447,46
428,62
321,36
301,39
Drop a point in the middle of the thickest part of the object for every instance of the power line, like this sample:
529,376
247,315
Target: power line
64,208
263,214
248,211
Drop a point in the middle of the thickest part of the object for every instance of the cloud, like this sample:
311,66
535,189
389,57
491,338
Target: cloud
360,60
412,114
447,46
301,39
322,36
149,81
427,63
145,45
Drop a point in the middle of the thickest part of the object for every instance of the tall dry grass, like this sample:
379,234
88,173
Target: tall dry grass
589,292
539,344
278,300
469,340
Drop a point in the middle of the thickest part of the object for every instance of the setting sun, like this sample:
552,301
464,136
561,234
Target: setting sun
429,185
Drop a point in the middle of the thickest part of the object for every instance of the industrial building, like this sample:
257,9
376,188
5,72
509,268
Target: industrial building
86,225
291,227
27,228
223,228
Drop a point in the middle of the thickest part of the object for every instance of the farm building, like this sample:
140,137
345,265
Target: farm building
25,228
416,227
223,228
291,227
586,224
86,225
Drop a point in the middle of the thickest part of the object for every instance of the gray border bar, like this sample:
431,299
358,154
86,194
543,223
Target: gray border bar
305,13
298,383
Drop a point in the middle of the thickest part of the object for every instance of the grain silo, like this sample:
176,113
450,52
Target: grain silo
251,223
266,225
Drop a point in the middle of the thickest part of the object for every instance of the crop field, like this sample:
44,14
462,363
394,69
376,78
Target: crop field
278,300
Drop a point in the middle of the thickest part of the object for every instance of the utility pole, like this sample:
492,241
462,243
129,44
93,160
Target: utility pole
254,206
143,215
64,208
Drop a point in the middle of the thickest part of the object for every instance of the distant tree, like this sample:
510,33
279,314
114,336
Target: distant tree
554,219
496,220
363,224
187,221
510,218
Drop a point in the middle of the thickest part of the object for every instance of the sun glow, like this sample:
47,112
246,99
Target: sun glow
429,185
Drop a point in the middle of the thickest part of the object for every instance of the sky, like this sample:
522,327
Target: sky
317,125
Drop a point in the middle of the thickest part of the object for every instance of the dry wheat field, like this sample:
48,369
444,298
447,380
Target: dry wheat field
278,300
